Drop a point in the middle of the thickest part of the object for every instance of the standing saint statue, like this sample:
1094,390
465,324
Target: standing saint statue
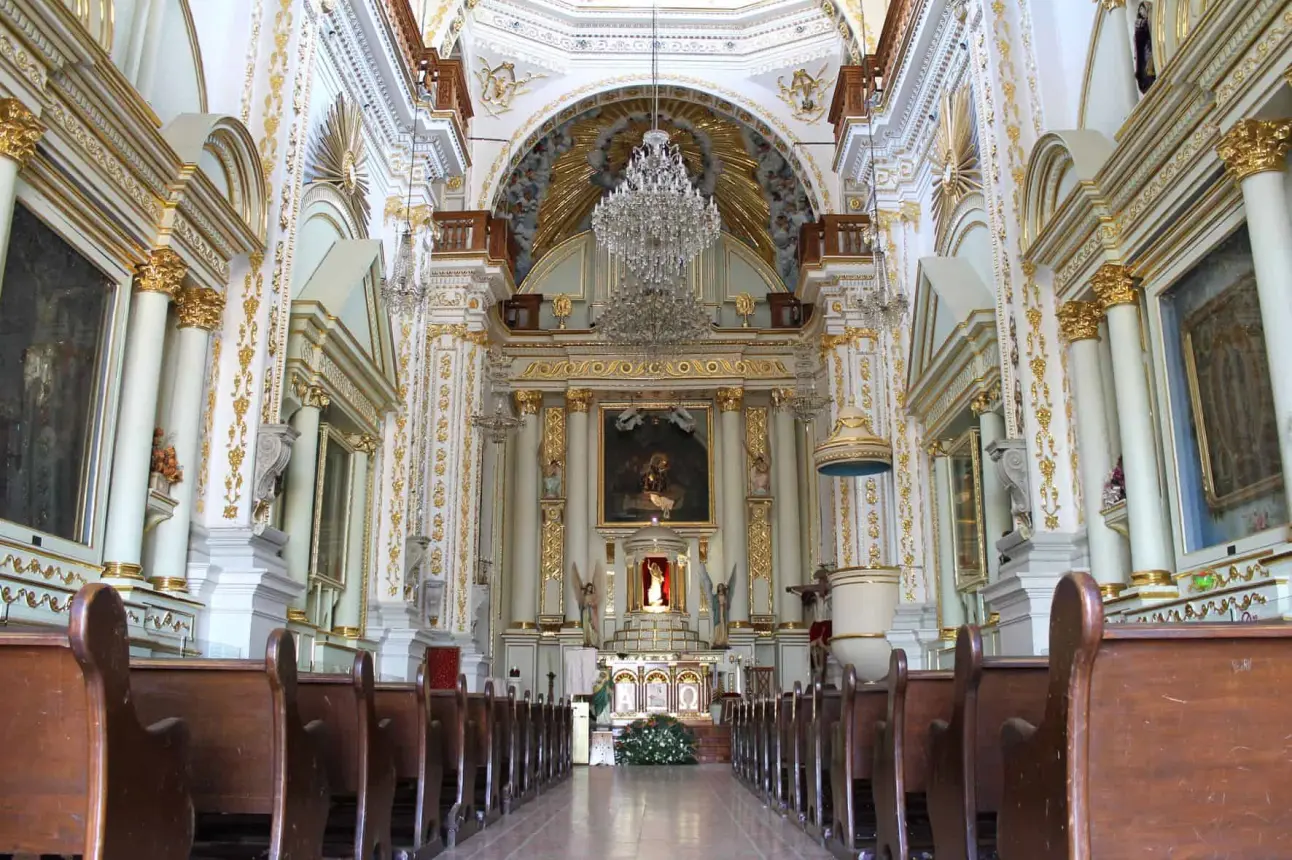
589,595
719,600
760,472
655,593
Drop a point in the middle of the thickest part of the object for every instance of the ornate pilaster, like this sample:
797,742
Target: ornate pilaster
785,474
552,486
578,401
525,552
758,512
734,540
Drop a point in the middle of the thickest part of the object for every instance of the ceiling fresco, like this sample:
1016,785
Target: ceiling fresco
554,188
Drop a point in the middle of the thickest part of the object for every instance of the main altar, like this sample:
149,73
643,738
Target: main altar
655,661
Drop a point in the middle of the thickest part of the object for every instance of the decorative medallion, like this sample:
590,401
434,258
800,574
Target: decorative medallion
499,86
956,170
339,158
807,95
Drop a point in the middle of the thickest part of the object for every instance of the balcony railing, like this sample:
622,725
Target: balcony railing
476,233
852,93
857,85
834,237
445,80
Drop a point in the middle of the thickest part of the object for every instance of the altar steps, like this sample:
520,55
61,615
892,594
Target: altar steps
713,743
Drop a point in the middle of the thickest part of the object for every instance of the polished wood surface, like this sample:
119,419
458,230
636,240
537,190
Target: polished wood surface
504,709
861,709
449,709
480,712
1156,741
257,773
419,763
823,716
79,773
901,770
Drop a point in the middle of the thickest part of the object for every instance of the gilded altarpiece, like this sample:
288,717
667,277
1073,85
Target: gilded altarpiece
551,611
758,509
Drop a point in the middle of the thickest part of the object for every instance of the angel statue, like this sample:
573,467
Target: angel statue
589,595
630,419
719,599
681,419
760,472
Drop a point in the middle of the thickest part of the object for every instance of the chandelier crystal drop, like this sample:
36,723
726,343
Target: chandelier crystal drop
654,318
404,290
657,221
882,308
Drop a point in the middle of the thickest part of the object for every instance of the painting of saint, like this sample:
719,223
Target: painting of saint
656,464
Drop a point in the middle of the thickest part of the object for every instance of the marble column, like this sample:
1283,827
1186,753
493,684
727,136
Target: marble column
577,512
348,620
19,133
200,311
1255,155
734,539
785,462
302,477
525,554
1150,540
951,610
1079,324
155,284
998,519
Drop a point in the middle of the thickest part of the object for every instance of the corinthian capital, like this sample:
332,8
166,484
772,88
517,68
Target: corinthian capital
19,130
1255,146
1080,320
1114,285
162,273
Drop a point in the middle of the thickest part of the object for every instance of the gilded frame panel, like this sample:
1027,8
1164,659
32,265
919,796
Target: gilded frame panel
967,450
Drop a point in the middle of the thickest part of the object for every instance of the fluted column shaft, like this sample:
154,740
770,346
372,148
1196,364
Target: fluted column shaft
952,610
155,284
19,133
349,610
789,558
302,481
1255,153
1079,322
200,311
734,539
1150,541
525,546
577,514
997,516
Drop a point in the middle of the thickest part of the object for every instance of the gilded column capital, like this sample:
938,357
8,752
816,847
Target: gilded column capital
1080,320
163,272
528,401
730,399
1113,285
981,403
19,130
1110,5
936,449
199,307
364,443
311,395
782,398
1255,146
578,399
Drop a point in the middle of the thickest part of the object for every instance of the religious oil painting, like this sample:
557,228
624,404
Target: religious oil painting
1231,399
656,464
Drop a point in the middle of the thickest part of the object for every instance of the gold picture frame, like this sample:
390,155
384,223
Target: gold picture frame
701,412
968,529
1227,370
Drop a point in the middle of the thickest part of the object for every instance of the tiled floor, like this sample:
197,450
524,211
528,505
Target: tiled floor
622,813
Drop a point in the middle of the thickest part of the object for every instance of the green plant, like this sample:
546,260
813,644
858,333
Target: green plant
656,740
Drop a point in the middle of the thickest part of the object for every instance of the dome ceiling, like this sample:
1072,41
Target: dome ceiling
554,188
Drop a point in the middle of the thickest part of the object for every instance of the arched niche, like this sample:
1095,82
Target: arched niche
155,45
325,218
224,151
1062,163
586,272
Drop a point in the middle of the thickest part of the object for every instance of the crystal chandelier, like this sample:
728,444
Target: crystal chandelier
654,318
656,221
405,289
496,425
806,401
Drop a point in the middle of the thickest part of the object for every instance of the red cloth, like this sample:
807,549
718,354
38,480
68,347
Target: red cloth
820,631
444,664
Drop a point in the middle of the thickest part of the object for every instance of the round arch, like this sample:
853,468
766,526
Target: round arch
681,88
222,147
1061,161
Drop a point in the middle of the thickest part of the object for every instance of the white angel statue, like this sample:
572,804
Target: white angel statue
590,594
718,596
630,419
681,419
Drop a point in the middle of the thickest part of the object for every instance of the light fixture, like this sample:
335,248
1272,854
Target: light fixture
805,399
496,425
405,289
853,450
654,319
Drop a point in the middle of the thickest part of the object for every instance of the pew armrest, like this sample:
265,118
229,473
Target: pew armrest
1015,734
937,729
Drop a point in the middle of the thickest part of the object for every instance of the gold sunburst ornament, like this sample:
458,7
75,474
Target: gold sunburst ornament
956,170
339,155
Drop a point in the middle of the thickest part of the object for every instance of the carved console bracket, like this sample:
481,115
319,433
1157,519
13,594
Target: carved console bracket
1010,457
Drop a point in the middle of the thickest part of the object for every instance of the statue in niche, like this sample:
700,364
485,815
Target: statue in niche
760,472
655,593
1145,68
553,477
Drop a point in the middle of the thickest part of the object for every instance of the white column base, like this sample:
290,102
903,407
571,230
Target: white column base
401,639
1025,589
240,577
793,659
915,629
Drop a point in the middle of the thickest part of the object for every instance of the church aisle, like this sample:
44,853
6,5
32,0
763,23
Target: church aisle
620,813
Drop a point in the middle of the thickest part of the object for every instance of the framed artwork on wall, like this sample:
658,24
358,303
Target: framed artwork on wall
656,462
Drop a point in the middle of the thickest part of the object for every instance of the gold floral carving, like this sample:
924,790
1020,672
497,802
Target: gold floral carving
782,398
527,401
365,444
460,331
849,336
553,435
1080,320
471,466
23,566
19,130
807,95
1255,146
312,396
578,399
1110,5
552,556
199,307
981,403
729,399
1113,285
687,368
163,272
759,534
243,379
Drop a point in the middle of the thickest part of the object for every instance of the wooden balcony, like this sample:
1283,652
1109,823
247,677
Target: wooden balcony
852,93
834,237
856,86
476,233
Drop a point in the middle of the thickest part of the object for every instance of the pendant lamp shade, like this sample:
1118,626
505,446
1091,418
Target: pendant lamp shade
853,450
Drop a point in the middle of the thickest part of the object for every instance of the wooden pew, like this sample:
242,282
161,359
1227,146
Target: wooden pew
803,747
739,761
79,774
526,753
505,739
257,772
901,770
757,728
796,799
785,762
538,731
824,714
567,738
852,748
484,741
457,798
418,740
965,783
1157,741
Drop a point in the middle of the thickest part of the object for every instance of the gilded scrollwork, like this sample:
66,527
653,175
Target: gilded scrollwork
19,130
199,307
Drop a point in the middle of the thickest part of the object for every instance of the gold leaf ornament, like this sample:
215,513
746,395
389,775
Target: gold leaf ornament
339,157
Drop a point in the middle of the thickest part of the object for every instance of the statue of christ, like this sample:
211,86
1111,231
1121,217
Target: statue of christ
655,593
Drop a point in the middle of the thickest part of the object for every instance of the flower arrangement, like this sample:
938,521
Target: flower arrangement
656,740
1115,486
165,462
